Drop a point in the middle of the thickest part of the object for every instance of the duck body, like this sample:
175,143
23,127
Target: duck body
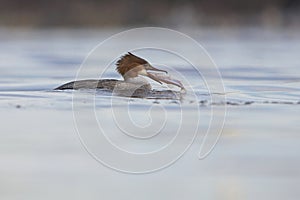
133,70
117,87
89,84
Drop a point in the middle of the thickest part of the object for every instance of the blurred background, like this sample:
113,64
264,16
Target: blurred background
168,13
254,43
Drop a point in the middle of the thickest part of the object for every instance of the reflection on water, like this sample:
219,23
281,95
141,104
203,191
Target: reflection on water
258,152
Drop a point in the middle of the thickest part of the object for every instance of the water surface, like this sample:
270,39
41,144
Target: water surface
257,155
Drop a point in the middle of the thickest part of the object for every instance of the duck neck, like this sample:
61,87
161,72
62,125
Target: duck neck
139,82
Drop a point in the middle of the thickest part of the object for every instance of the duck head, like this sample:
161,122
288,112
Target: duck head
131,66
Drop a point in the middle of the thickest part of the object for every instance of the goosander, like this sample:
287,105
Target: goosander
132,68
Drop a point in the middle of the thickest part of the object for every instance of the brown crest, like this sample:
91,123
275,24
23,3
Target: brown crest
128,62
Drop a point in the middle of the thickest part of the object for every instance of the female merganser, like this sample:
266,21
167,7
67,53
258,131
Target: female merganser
130,67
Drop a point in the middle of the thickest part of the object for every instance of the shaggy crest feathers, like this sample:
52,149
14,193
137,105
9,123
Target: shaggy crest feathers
128,62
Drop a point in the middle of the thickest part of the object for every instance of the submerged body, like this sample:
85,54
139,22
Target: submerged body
130,67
